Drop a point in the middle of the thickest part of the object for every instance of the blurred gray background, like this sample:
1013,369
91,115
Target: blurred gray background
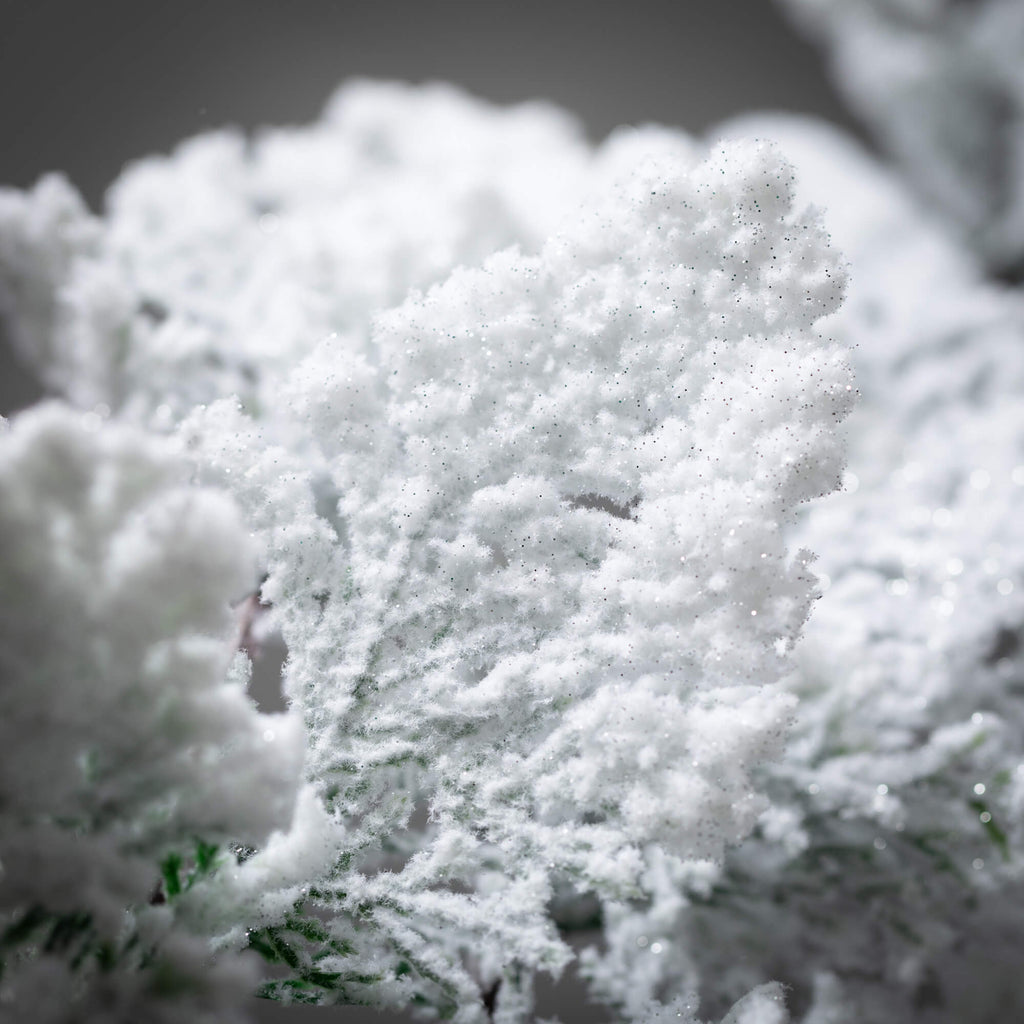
87,85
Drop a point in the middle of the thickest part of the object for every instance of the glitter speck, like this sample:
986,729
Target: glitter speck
656,948
985,817
268,735
882,789
880,843
979,788
977,863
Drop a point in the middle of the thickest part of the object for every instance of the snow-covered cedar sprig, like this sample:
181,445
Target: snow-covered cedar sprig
125,729
214,271
543,545
524,534
885,882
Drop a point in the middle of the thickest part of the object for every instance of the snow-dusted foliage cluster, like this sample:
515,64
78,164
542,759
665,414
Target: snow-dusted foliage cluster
524,534
128,741
884,883
513,443
942,84
214,272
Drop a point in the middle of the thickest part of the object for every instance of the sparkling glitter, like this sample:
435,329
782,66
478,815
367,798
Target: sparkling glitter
979,788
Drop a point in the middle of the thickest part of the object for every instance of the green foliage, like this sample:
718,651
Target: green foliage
992,829
301,945
72,935
202,863
306,951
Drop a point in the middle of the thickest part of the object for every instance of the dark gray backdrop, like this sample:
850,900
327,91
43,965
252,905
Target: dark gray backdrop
86,85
